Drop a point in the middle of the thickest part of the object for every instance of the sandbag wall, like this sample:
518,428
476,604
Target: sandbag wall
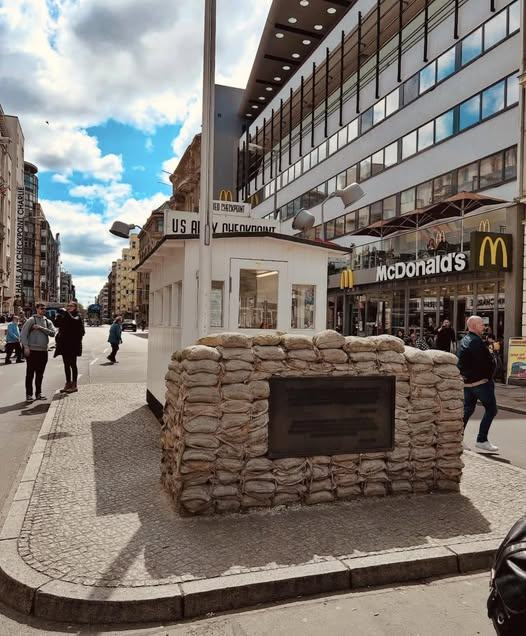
215,424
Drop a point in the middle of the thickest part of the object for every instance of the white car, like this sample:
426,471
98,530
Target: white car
128,324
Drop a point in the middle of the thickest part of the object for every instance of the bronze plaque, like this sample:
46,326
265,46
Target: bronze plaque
331,415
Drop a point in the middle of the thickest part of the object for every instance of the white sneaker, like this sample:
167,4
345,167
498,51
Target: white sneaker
487,446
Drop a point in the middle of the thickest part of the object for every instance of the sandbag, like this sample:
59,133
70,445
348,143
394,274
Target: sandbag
237,365
203,394
267,339
201,424
236,406
415,356
201,366
235,377
354,344
329,339
227,339
307,355
200,352
296,341
237,392
199,379
269,353
333,356
236,353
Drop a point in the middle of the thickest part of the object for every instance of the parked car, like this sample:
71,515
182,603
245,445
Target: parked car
128,324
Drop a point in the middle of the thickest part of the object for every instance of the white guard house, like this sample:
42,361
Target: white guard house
262,280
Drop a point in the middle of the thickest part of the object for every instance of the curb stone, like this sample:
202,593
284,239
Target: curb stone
33,593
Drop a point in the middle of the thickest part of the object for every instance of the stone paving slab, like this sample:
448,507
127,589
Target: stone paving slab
511,398
98,522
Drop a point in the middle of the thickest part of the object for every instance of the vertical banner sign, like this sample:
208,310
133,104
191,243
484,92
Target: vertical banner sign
20,214
517,361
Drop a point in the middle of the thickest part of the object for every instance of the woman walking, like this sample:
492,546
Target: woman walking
114,338
69,343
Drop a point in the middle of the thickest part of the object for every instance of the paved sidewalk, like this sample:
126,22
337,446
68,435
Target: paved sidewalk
91,534
511,397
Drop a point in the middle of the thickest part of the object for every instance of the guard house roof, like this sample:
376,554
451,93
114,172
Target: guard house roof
165,244
298,21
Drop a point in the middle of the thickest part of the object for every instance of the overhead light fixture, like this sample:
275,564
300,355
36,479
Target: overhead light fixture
269,89
265,274
261,99
331,10
280,35
286,67
295,55
318,27
304,3
255,106
293,20
306,42
277,79
248,114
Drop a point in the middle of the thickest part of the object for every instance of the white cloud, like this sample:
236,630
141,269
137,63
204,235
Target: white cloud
60,178
111,194
148,144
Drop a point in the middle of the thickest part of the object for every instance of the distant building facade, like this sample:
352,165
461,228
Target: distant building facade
67,288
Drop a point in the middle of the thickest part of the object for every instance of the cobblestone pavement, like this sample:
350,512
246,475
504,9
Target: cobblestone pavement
98,515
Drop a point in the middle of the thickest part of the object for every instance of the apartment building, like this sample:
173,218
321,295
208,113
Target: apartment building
126,278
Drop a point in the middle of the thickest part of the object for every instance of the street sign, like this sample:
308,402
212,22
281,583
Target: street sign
187,223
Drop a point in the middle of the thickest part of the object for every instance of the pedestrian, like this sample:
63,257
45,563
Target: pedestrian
114,338
477,368
12,341
69,343
445,336
421,343
143,325
35,339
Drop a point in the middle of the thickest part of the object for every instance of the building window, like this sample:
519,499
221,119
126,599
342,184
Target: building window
339,226
409,145
491,170
470,112
365,168
514,17
352,129
367,120
425,135
389,205
427,77
258,299
329,230
493,100
216,303
443,186
363,217
512,90
352,174
322,152
391,155
444,126
341,180
407,201
350,222
392,102
306,163
379,112
177,297
333,144
446,64
424,194
377,162
342,137
376,212
510,163
410,89
495,30
303,306
471,46
468,178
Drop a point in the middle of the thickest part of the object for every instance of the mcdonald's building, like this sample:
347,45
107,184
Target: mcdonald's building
451,270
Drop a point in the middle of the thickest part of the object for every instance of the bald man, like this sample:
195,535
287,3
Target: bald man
477,367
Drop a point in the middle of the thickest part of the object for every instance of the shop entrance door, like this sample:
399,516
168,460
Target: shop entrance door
378,318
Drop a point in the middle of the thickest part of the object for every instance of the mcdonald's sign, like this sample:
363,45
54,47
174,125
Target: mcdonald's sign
346,279
491,251
225,195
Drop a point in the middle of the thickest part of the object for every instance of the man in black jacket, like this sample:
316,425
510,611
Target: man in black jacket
445,336
477,367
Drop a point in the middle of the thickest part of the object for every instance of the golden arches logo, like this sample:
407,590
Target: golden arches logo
484,226
226,195
346,279
493,247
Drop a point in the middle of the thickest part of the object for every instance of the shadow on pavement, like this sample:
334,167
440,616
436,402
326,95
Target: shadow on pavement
173,546
497,458
13,407
49,436
38,409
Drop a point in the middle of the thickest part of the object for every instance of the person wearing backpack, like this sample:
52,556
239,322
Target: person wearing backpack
115,339
34,338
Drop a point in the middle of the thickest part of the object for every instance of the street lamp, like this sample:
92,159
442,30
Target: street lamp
122,230
304,220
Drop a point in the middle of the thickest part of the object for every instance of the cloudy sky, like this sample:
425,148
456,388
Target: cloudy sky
108,95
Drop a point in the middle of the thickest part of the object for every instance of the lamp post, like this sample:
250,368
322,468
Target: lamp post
207,165
348,195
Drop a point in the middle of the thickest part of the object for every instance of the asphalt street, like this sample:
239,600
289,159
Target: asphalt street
455,605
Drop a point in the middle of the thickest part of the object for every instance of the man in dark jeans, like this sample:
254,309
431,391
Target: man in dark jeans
35,339
477,367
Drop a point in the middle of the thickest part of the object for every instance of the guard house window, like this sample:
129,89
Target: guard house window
471,46
258,299
303,306
493,100
495,30
470,112
446,65
177,297
216,303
